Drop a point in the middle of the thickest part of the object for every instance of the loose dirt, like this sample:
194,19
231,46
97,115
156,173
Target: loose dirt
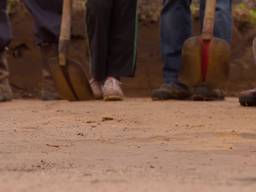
131,146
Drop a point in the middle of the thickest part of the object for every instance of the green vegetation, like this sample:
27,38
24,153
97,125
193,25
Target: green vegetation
11,5
245,13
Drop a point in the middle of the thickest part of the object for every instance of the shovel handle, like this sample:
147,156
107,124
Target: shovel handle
65,31
209,19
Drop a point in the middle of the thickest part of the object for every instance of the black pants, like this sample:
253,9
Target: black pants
112,30
47,17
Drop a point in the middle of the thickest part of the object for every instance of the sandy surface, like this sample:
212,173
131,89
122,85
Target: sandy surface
132,146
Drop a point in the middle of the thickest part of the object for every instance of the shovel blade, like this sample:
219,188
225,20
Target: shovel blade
190,73
79,81
70,80
62,85
218,63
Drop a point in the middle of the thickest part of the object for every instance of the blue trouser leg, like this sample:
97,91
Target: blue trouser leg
5,31
176,28
47,17
223,19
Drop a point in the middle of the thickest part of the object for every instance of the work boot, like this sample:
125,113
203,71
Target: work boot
48,87
204,93
248,98
5,89
173,91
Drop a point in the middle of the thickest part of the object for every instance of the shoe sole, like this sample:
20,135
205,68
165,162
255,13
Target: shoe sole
113,98
247,101
203,98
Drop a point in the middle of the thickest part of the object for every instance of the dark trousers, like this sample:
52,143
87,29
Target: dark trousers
112,30
47,17
5,31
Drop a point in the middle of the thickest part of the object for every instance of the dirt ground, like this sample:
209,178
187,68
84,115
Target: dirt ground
134,146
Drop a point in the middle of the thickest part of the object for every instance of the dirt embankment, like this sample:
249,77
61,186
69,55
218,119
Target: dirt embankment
24,56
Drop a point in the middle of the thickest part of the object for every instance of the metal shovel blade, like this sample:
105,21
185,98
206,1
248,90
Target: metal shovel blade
63,86
218,63
79,81
193,72
190,73
71,80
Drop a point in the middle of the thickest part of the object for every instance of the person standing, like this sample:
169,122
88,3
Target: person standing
175,29
112,33
47,18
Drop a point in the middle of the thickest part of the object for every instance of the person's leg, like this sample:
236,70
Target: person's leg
123,39
47,19
175,29
98,21
223,19
121,57
5,38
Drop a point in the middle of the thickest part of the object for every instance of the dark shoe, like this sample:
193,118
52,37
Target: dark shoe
5,89
173,91
48,88
248,98
204,93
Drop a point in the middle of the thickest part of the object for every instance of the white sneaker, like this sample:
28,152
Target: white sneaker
96,89
112,90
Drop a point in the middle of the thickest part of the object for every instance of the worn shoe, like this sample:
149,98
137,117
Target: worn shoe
112,90
5,89
248,98
96,89
173,91
204,93
48,88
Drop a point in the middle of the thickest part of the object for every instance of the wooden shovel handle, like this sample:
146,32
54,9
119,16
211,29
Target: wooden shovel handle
65,31
209,19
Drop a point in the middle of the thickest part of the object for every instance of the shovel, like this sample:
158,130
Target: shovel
69,76
205,58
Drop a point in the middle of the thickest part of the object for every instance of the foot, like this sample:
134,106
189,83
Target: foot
173,91
5,91
96,89
204,93
248,98
112,90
